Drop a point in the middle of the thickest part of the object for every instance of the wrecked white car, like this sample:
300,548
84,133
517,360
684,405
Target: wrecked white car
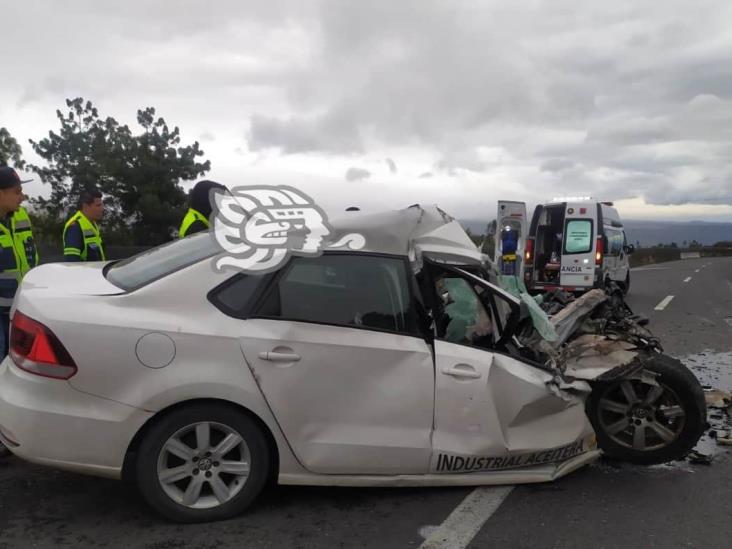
397,364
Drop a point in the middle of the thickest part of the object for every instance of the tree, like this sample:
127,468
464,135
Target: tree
138,174
10,150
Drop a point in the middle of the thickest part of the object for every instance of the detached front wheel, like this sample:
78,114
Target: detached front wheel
646,422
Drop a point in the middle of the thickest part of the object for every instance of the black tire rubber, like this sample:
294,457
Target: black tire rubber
4,452
626,286
684,383
161,431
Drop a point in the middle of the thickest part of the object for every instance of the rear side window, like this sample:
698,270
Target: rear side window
237,296
344,290
578,236
146,267
615,240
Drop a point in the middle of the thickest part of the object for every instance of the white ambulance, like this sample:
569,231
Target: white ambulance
574,244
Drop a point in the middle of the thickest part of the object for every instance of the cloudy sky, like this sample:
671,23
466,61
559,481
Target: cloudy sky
388,103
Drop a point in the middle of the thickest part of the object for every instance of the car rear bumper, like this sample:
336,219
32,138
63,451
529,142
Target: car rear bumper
49,422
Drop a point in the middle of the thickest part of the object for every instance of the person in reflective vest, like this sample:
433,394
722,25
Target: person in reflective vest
199,210
18,253
81,238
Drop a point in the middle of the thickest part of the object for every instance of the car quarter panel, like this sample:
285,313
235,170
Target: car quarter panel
55,424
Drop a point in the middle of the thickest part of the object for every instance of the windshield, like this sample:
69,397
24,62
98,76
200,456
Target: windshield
146,267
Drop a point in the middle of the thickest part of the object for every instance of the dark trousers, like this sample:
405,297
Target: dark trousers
4,332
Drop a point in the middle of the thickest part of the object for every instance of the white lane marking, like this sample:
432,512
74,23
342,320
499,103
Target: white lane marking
636,269
697,270
467,519
687,279
664,303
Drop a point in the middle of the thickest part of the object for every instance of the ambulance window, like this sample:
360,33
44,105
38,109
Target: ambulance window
615,241
578,236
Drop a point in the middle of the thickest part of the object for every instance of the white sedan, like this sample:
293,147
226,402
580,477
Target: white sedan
393,365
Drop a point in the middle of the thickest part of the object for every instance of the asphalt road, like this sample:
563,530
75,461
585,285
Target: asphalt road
602,505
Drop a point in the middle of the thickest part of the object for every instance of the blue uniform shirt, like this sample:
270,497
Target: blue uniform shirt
74,238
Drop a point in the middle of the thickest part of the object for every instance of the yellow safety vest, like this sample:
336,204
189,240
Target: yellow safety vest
190,218
18,254
90,231
24,242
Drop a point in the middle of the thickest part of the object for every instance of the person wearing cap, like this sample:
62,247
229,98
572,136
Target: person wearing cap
18,253
199,210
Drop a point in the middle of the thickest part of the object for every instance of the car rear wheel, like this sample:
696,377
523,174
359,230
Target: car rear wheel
626,286
646,423
201,463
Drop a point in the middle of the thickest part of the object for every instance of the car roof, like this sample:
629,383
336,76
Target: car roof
415,231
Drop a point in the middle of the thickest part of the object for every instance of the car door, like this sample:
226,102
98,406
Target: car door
579,246
337,355
492,411
511,232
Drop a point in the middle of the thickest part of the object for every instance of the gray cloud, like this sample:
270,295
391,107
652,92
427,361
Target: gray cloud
357,174
620,99
333,133
556,165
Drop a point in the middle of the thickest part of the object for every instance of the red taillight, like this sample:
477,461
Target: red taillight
598,251
35,349
529,249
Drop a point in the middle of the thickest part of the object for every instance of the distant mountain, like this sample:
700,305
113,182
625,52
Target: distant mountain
665,232
649,233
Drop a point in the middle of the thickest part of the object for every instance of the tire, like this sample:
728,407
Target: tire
205,481
626,286
662,425
4,452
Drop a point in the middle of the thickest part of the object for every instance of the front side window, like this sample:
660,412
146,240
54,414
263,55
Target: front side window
462,317
345,290
578,236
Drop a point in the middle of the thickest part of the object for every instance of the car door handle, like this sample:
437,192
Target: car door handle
279,357
461,370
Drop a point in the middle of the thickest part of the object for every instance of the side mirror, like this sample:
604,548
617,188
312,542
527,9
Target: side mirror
629,249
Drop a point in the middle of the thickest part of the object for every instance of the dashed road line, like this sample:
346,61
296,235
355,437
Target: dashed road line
687,279
636,269
697,270
467,519
664,303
